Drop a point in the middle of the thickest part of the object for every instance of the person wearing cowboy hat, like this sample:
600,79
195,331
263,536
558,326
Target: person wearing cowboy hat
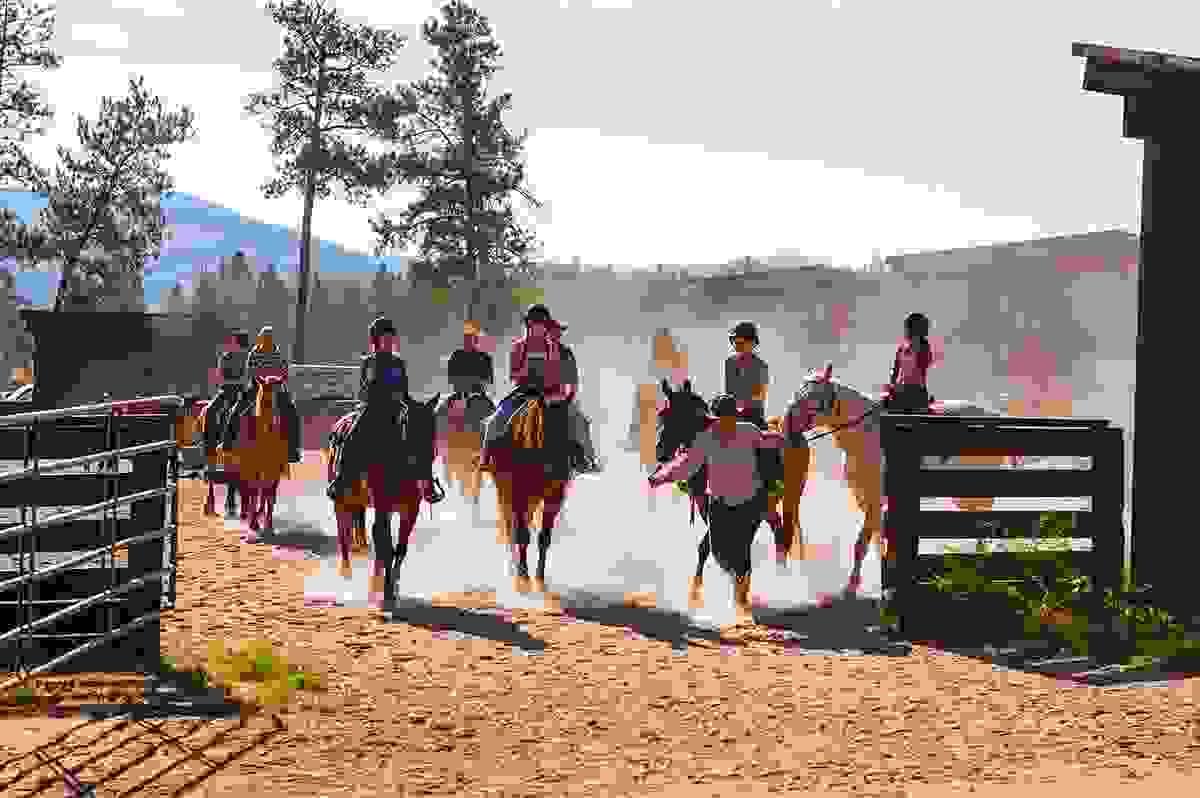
470,369
579,425
540,365
265,356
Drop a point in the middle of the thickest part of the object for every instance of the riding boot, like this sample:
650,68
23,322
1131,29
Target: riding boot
741,598
543,546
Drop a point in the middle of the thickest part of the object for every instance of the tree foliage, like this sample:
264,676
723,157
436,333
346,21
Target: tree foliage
25,33
453,145
104,217
323,96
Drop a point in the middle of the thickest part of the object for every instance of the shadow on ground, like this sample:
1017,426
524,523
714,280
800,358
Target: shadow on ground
485,624
305,536
846,626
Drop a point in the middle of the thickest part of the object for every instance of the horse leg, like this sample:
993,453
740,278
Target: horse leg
410,508
696,586
230,499
381,586
359,520
271,492
343,540
555,497
521,504
210,503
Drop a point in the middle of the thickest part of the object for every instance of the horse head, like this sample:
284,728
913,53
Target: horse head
680,421
420,428
816,399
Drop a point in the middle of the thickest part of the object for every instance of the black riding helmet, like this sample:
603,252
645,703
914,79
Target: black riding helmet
540,312
745,329
917,325
723,405
380,327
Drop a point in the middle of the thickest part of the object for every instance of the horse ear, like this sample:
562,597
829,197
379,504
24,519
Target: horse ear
432,403
827,372
687,385
666,386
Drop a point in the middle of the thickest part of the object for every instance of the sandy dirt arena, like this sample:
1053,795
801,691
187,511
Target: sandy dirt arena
600,711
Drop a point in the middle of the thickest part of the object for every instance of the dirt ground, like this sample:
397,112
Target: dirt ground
599,712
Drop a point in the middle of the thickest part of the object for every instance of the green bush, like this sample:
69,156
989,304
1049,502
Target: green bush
1062,601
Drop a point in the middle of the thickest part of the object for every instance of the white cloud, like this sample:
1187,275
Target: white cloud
150,8
105,36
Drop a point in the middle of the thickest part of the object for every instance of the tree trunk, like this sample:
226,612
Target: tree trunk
310,194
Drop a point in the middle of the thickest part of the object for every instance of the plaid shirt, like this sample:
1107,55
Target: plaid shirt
260,359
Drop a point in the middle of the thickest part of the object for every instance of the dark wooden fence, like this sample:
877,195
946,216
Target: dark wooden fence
88,559
923,612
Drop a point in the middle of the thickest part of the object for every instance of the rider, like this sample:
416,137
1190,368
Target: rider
536,365
383,390
667,361
906,391
746,374
231,373
735,485
265,355
580,425
470,369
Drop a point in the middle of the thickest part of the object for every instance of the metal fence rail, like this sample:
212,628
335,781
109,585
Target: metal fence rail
113,420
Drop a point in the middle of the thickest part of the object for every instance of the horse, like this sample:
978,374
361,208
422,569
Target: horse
460,421
829,406
532,471
389,486
261,455
350,510
687,413
220,468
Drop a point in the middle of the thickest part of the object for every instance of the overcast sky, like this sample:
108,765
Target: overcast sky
699,131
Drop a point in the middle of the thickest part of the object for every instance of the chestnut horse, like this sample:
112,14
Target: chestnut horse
392,485
532,470
687,413
261,456
350,510
460,423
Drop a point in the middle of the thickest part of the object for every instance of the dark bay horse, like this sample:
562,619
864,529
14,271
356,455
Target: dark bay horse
402,458
685,415
532,467
219,468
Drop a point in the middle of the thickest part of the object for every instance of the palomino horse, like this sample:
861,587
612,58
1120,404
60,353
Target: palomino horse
261,455
826,405
350,510
220,466
532,471
460,421
393,485
685,415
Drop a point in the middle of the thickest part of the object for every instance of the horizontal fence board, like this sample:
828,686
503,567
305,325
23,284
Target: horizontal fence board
82,436
900,420
999,565
72,489
1024,442
1001,483
938,525
81,535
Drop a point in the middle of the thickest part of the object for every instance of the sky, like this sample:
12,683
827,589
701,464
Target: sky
698,132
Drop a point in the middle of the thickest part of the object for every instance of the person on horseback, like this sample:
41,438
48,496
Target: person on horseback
906,390
265,356
470,370
231,374
578,423
383,392
541,366
668,361
746,374
737,492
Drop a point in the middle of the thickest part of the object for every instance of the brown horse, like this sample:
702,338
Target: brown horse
532,471
460,423
220,468
261,455
350,510
393,486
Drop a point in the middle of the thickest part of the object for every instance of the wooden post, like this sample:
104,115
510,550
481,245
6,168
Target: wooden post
1159,91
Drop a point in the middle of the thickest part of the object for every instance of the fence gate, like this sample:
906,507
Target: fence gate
913,478
88,541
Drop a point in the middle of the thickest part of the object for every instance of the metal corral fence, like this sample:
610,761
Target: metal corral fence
102,569
909,480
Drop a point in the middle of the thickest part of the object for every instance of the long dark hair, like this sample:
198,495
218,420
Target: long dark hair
916,329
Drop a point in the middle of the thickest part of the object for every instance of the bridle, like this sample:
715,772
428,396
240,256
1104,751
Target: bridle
831,408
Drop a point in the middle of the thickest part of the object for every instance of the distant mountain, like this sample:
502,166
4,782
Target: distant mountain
201,234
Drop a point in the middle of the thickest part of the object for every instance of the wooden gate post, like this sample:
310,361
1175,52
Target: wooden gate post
1160,93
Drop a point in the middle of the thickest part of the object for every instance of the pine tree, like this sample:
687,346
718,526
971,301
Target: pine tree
324,93
454,146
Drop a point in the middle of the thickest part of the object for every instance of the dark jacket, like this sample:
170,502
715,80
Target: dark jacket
467,368
382,379
233,367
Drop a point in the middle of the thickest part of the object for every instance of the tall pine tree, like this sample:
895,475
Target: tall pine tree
323,95
454,146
